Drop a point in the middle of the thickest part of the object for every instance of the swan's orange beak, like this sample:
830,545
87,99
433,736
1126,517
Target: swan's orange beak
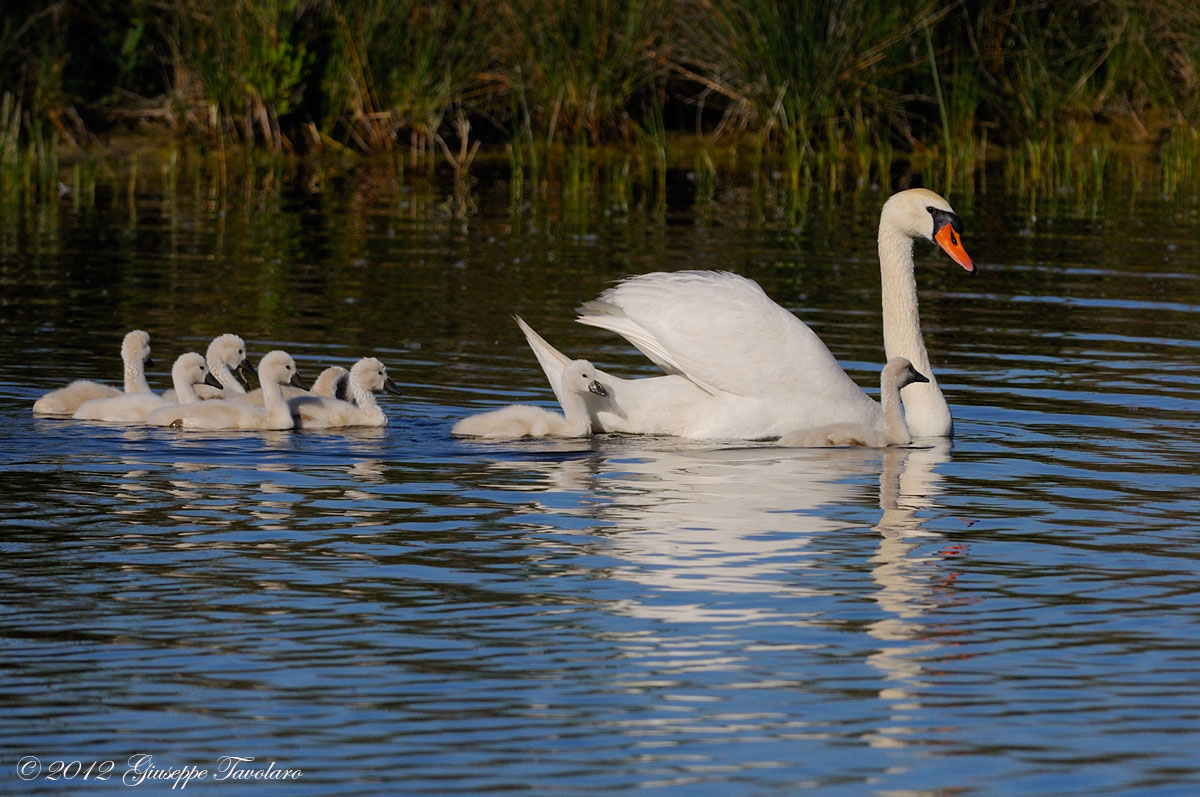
951,244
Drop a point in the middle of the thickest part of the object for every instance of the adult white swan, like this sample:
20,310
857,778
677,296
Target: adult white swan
764,373
135,354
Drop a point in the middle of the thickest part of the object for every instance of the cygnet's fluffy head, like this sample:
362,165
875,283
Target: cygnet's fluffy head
228,349
192,370
921,213
136,347
279,368
579,376
371,374
900,372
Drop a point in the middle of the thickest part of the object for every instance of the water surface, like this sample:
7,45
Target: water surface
397,611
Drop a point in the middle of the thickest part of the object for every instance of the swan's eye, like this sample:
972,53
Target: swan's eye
929,208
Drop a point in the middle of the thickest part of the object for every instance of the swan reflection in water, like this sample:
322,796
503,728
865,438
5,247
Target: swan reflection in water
706,531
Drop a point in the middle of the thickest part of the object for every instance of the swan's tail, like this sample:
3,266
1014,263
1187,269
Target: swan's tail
551,359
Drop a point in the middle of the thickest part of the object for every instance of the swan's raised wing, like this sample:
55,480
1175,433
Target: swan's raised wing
719,330
551,359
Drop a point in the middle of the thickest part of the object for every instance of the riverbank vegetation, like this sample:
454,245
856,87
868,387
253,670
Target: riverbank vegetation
839,91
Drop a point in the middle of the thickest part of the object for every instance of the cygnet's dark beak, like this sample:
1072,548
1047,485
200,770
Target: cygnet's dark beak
298,381
917,376
598,389
212,381
390,387
242,374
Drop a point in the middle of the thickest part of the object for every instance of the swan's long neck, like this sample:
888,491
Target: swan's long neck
185,391
928,412
364,399
578,423
274,403
135,374
221,371
894,426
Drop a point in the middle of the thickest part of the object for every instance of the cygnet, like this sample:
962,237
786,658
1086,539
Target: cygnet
226,358
135,354
896,375
523,420
321,412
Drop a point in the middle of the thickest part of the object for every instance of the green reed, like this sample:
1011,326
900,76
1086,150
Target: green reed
834,92
582,65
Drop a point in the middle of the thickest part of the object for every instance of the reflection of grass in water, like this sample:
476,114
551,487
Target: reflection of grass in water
583,182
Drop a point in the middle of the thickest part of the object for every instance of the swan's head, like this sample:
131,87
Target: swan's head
279,368
900,372
192,370
229,350
579,376
371,374
921,213
135,348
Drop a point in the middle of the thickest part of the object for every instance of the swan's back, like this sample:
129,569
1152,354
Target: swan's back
321,412
515,420
215,415
722,332
66,400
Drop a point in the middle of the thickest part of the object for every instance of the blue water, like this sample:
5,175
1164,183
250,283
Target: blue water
401,612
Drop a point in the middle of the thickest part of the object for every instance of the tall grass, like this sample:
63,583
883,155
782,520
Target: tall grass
396,70
838,90
579,67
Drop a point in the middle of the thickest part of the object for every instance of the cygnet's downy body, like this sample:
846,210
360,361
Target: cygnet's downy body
135,354
896,375
523,420
189,370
